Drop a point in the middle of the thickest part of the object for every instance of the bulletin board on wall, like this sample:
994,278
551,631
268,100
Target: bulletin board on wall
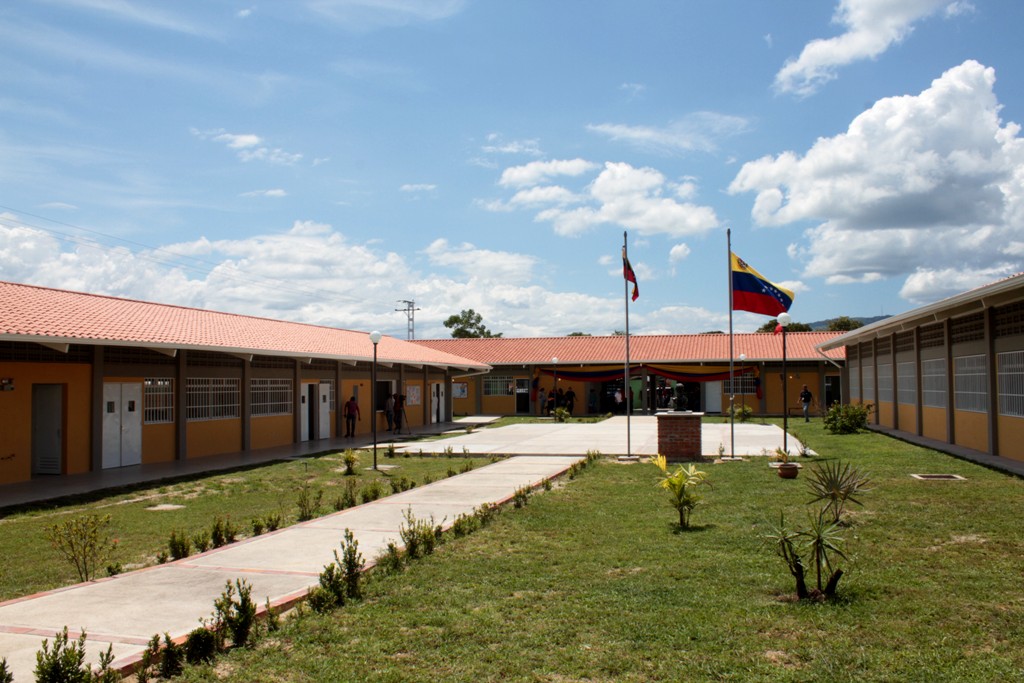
412,395
460,390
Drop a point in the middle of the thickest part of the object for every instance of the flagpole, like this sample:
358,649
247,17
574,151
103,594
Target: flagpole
732,373
625,375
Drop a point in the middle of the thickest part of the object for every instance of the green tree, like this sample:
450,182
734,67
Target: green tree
579,334
843,323
793,327
468,325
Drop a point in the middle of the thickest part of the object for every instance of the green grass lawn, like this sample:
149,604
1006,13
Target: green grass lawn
29,564
591,582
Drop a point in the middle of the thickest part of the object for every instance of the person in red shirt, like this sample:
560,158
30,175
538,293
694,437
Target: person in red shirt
351,412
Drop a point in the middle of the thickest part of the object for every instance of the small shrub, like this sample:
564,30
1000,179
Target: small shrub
836,484
848,418
351,562
171,663
464,525
742,412
812,549
320,600
222,532
273,618
466,466
427,480
308,502
5,673
113,569
272,520
105,673
389,452
390,559
348,497
234,616
451,472
257,526
371,492
179,545
149,658
485,514
83,541
562,415
682,487
547,485
64,662
162,557
351,460
201,540
521,497
200,646
418,535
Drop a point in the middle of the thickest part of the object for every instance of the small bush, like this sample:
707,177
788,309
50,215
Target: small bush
390,559
548,485
351,460
419,536
371,492
64,662
452,472
847,418
179,545
464,525
348,497
200,646
562,415
232,616
171,663
5,673
485,514
321,600
466,466
351,562
272,520
113,569
521,497
257,526
836,484
742,412
308,501
273,618
222,532
390,451
201,540
83,541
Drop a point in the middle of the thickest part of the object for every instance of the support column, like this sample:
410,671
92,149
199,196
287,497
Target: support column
679,435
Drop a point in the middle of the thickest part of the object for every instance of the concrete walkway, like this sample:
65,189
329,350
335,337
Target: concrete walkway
126,610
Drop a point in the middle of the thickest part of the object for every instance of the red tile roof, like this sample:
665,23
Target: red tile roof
54,316
642,348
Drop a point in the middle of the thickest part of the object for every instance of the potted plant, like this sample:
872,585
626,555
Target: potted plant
786,469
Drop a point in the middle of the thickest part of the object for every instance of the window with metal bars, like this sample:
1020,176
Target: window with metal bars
854,382
906,380
1010,377
868,381
158,400
271,397
885,382
933,383
212,398
744,385
499,385
970,384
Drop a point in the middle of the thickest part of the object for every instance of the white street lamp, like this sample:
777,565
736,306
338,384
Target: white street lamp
375,338
784,320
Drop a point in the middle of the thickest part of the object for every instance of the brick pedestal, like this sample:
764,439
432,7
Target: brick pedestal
679,435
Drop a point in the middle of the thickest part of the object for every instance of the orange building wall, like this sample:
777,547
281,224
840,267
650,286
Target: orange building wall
466,406
498,405
271,430
971,430
908,418
158,443
933,423
885,414
1011,437
212,437
16,417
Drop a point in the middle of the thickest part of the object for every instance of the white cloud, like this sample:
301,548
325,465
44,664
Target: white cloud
136,13
249,146
678,252
698,132
633,90
418,187
362,15
918,184
538,171
926,286
496,144
633,198
871,27
276,192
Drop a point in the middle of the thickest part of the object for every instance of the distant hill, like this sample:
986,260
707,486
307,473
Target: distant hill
823,324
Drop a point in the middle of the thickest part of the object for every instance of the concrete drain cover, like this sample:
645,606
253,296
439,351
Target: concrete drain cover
938,477
164,507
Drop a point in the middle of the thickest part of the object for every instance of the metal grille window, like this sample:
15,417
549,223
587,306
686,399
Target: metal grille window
868,374
906,380
271,397
745,385
209,398
970,383
499,385
158,400
854,383
933,383
330,392
1011,383
885,382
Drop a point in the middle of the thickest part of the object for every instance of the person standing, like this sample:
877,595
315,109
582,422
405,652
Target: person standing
351,412
399,411
805,402
570,400
389,411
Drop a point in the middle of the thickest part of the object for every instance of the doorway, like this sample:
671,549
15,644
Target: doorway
122,424
522,396
47,428
436,402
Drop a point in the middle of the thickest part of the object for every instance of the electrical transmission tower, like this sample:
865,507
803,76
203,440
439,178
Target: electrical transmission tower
410,313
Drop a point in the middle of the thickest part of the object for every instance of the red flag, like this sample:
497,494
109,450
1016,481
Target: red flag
627,272
778,328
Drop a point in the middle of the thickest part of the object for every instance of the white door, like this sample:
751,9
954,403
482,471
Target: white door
437,402
47,437
303,413
325,410
122,424
712,397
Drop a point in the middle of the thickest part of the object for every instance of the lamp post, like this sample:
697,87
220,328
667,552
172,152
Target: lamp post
375,338
554,361
784,320
743,384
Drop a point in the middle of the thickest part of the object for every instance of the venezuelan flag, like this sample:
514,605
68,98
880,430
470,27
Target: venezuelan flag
752,292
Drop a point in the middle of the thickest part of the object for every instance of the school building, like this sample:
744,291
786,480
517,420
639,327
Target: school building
90,382
951,371
523,371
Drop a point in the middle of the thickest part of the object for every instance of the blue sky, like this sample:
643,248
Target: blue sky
322,160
